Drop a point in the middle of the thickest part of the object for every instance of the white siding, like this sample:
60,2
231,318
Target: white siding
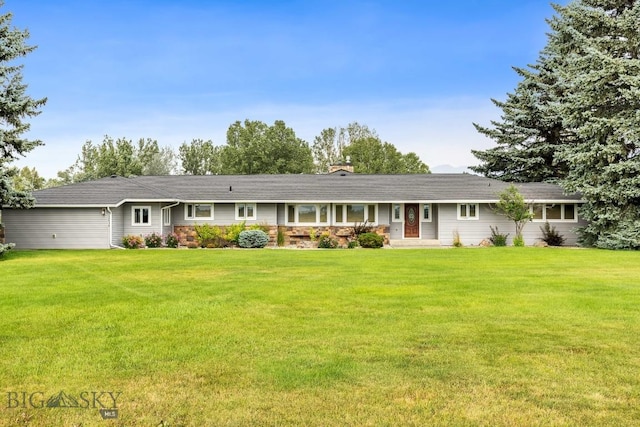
57,228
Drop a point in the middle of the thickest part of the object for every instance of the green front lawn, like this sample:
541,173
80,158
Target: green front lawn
497,336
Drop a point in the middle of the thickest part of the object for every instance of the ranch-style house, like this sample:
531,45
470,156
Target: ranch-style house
414,210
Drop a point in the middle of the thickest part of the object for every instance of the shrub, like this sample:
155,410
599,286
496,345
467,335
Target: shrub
4,247
518,241
456,239
280,236
262,226
131,241
232,232
370,240
327,242
153,240
551,236
352,244
359,229
253,239
209,236
171,240
497,238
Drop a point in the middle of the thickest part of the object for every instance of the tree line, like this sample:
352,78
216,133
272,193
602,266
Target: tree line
252,147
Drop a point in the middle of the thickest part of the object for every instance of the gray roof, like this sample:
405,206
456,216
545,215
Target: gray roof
114,191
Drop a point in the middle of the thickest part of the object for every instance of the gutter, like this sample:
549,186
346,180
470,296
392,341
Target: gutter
111,245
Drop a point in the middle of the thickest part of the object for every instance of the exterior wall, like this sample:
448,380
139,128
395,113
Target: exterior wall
473,232
428,229
155,223
57,228
225,214
299,236
117,225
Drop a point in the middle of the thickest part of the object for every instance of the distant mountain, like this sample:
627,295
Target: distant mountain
449,169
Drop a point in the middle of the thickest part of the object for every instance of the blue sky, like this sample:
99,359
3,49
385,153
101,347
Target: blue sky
418,72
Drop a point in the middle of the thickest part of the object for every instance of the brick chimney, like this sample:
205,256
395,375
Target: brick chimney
342,166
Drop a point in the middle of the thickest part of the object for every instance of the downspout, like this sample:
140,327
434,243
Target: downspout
111,245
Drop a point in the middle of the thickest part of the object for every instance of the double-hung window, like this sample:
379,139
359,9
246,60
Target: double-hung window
468,211
140,215
198,211
246,211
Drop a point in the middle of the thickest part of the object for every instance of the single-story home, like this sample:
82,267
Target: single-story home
427,209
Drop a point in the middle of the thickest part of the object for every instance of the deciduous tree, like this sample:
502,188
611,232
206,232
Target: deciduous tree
254,148
200,158
120,157
512,205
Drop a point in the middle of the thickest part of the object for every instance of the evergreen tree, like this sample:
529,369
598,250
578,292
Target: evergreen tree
529,133
574,117
15,107
599,43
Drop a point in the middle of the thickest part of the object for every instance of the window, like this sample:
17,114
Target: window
166,216
198,211
554,212
396,213
467,211
245,211
348,214
426,212
307,214
141,215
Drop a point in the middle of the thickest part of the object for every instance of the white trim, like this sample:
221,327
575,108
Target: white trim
318,208
344,213
467,217
246,217
194,217
562,210
422,218
133,216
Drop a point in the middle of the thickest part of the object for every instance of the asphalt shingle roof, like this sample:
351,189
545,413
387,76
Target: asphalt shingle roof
338,187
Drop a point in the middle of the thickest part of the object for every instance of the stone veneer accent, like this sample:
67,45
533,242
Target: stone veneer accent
298,236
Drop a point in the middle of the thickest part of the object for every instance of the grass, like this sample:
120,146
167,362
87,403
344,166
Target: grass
497,336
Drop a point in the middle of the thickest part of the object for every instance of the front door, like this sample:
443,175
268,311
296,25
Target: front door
411,220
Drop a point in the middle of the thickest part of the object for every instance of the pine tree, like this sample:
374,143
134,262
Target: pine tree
529,133
574,118
15,107
599,43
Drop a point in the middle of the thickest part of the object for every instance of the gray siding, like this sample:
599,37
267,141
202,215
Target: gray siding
73,228
225,214
117,225
155,224
472,232
384,213
428,230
